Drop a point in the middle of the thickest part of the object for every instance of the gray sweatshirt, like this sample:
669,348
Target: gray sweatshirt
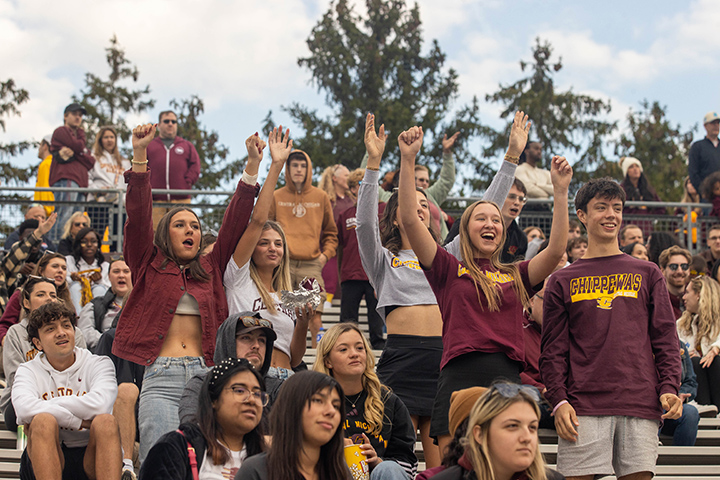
399,280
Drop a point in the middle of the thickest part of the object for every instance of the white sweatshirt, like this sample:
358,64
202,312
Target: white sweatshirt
81,392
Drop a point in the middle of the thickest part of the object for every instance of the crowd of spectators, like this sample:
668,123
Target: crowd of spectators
455,306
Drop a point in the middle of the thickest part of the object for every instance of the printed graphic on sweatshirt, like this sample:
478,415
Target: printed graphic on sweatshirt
497,277
604,289
360,424
259,305
414,263
351,223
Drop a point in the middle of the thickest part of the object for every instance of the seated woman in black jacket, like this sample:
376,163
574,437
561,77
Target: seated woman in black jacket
226,433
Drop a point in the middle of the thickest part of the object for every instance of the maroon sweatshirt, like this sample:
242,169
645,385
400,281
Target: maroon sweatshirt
351,267
532,333
609,341
78,167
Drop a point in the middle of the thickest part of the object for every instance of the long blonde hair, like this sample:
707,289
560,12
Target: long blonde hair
490,405
326,183
281,273
374,406
488,286
708,316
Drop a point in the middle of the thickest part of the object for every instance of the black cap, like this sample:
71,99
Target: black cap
75,107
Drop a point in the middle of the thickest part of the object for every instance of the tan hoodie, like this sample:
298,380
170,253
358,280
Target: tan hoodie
306,216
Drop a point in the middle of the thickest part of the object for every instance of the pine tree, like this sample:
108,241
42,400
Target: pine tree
11,97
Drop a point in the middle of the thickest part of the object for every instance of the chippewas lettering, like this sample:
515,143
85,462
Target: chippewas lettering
397,263
62,392
305,204
604,289
259,305
497,277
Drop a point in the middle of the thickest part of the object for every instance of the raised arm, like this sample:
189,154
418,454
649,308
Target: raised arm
503,179
545,262
441,188
368,227
138,245
280,148
417,233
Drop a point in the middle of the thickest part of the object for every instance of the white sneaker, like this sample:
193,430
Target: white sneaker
705,410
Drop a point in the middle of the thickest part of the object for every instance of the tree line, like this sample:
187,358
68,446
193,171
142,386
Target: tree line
374,61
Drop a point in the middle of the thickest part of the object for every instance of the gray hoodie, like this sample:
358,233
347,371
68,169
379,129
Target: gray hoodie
225,348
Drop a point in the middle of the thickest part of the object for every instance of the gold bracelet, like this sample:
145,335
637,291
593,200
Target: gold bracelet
374,169
138,163
512,159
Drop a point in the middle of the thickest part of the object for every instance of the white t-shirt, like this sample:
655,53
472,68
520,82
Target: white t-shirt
242,296
210,471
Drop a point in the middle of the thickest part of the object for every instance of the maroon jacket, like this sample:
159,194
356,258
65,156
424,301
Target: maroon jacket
157,289
78,167
11,316
177,167
531,374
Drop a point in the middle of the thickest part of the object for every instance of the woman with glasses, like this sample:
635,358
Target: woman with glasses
376,418
260,269
502,438
170,321
77,222
307,434
87,269
699,330
227,431
480,298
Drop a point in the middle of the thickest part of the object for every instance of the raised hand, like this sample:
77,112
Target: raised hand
561,173
448,143
280,145
142,135
46,224
255,146
410,141
374,142
518,134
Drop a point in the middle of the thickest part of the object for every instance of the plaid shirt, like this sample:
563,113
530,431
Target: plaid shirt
12,263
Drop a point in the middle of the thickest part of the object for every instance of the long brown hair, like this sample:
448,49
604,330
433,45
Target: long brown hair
162,241
63,292
487,285
294,399
389,230
98,150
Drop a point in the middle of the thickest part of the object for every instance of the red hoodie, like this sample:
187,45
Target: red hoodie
177,167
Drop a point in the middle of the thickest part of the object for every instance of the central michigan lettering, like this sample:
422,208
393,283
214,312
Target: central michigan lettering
605,288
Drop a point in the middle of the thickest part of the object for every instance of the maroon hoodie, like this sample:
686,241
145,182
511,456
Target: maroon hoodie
79,165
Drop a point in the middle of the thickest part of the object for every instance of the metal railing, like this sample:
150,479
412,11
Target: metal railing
210,208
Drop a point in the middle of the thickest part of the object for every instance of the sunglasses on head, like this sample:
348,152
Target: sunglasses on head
512,390
675,266
256,322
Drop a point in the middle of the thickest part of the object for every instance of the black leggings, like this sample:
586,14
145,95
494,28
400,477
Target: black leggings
352,292
708,382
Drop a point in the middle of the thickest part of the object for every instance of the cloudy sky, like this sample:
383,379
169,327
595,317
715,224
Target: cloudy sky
240,56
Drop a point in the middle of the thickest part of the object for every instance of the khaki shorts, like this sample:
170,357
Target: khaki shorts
610,445
300,269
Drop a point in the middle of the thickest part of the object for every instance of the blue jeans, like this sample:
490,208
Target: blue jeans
162,387
64,212
389,470
684,429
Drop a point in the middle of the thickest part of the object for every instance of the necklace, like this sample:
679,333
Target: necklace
353,402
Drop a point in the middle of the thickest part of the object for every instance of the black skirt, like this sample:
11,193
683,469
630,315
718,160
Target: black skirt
410,366
475,369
